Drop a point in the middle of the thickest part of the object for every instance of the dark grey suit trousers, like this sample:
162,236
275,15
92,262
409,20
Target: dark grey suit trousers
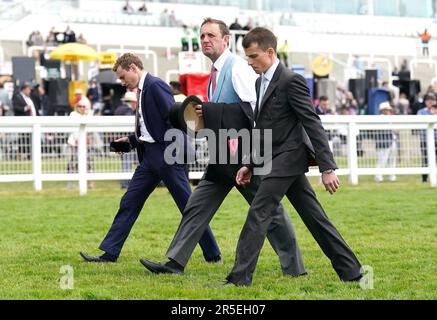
303,198
204,203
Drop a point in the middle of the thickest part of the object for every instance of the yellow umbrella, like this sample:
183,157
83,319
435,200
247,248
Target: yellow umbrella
322,66
74,52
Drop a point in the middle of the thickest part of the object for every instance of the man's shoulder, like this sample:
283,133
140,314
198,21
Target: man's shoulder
423,111
156,82
240,60
231,59
291,76
289,73
239,64
17,96
152,79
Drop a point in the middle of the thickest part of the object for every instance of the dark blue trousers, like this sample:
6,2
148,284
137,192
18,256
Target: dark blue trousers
147,176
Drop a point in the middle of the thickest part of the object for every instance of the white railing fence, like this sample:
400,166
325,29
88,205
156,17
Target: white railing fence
77,149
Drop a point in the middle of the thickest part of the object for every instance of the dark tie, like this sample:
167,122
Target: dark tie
262,91
137,114
213,79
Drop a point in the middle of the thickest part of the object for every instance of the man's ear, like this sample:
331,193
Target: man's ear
271,52
227,38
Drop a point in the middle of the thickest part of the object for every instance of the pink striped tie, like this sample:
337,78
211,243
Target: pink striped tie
233,146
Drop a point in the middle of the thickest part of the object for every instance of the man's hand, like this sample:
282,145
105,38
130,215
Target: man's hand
124,139
330,181
243,176
199,110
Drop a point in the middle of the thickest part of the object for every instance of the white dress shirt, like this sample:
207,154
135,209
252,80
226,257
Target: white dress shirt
243,78
29,102
145,135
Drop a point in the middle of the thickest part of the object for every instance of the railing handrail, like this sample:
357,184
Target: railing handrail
114,120
349,125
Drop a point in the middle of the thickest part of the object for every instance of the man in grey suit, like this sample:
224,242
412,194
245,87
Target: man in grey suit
284,106
232,81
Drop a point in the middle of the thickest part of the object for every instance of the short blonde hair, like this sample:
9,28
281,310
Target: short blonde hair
126,60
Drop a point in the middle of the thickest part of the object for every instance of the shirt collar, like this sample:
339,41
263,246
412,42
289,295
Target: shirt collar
24,96
271,71
141,83
220,62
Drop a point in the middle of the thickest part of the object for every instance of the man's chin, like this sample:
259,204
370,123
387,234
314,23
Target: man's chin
207,53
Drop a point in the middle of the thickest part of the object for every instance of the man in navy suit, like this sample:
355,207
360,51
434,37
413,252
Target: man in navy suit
151,123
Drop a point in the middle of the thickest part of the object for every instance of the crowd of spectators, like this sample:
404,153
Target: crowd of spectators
129,9
166,18
54,38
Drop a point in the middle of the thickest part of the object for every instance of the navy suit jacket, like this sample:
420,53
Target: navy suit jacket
157,100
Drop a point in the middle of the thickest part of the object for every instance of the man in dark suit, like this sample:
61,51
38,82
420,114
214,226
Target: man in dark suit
232,82
23,105
151,123
284,106
22,102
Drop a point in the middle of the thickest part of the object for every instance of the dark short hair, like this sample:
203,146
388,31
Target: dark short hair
176,84
263,37
323,98
222,26
126,60
430,96
25,85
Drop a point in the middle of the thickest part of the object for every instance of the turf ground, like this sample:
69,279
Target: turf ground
392,228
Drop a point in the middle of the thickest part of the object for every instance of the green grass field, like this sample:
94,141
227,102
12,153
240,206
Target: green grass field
392,227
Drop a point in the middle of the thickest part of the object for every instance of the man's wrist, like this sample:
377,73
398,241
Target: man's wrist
328,171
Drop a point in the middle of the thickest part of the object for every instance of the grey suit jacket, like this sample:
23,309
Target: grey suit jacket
297,131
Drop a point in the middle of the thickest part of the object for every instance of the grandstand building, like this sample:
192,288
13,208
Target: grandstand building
357,45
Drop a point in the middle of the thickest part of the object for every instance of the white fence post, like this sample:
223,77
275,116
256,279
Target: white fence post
36,157
82,159
352,157
431,154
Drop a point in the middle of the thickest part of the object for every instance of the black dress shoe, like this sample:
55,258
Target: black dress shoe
304,274
215,260
106,257
161,267
357,279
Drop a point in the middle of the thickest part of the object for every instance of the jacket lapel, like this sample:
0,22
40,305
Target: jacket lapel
272,84
220,81
270,89
143,99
